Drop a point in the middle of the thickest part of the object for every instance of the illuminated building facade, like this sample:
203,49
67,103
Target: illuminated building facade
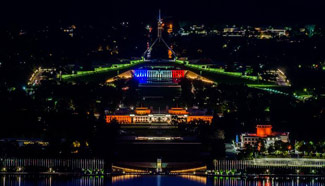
207,119
263,132
143,115
139,119
142,110
158,76
122,119
177,111
159,73
178,73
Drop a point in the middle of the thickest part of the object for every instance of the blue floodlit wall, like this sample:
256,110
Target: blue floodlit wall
140,73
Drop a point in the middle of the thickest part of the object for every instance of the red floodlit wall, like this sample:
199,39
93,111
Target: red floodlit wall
263,130
178,73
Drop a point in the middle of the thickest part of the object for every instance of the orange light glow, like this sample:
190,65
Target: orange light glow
170,28
177,111
142,110
263,130
170,54
200,179
128,170
122,119
196,118
190,170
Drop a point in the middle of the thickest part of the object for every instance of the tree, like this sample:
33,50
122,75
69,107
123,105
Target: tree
260,146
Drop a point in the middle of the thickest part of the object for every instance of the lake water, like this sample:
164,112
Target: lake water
132,180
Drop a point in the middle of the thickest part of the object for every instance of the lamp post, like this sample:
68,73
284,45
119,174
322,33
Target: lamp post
215,164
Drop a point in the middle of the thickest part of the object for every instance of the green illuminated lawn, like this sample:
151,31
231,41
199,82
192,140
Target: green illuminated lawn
218,71
108,71
219,75
263,85
215,74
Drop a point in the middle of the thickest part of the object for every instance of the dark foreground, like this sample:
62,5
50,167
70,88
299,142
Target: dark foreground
156,180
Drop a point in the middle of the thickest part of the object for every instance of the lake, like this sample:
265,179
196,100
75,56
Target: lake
159,180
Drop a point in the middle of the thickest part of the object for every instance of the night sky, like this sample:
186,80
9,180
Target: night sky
205,11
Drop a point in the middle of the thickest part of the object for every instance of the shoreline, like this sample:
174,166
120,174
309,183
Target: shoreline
255,176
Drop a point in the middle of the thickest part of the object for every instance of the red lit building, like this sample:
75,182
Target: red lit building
263,132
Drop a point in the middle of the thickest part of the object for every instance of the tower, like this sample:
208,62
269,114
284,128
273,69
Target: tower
160,26
159,166
159,39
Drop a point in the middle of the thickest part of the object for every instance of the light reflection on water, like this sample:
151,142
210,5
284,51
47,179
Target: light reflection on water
159,180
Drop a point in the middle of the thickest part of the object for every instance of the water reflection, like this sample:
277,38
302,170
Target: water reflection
269,181
160,180
200,179
123,178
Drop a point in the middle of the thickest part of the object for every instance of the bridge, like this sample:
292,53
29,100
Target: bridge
269,163
52,164
221,167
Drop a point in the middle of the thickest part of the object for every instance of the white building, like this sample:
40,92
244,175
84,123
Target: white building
263,132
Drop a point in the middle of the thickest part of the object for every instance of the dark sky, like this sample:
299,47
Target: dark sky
213,11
